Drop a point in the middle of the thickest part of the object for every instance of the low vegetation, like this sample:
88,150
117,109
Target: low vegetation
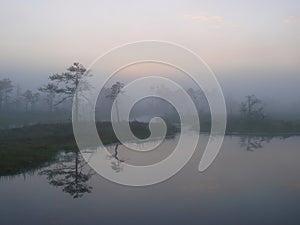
29,147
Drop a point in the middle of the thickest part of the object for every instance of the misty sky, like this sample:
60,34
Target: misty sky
242,41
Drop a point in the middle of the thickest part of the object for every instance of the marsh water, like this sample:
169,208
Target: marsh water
254,180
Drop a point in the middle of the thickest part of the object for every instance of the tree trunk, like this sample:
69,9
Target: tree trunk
76,107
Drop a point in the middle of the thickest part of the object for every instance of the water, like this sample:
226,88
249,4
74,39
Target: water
254,180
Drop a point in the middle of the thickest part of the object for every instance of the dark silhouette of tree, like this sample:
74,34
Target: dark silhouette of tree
27,96
31,99
18,100
68,173
252,108
6,88
116,164
66,84
116,89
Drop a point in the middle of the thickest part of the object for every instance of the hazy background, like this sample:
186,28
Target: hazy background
252,46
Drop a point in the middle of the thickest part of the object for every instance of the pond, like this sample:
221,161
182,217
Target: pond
254,180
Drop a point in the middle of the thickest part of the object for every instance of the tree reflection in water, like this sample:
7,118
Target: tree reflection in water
116,162
70,173
253,142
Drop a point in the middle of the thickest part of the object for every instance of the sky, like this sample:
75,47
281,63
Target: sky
239,40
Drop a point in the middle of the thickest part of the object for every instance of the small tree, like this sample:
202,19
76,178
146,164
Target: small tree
66,84
18,100
30,99
6,88
252,108
35,98
116,89
27,98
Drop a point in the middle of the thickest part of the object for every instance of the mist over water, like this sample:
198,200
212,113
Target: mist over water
68,156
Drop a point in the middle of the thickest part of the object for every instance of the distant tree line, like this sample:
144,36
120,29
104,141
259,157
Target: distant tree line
60,93
62,87
8,101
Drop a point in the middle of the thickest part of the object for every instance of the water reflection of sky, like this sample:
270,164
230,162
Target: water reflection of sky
241,187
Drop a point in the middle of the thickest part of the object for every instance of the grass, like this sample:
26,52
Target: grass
29,147
13,119
266,126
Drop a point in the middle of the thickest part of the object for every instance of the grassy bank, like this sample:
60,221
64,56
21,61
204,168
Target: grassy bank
22,149
18,119
29,147
266,126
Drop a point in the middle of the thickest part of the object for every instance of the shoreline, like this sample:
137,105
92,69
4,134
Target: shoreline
30,147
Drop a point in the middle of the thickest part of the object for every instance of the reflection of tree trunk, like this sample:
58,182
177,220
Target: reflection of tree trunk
116,165
68,174
116,152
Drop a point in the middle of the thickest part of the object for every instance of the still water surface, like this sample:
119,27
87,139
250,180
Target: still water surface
254,180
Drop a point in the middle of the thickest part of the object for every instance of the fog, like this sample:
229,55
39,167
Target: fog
278,90
252,47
